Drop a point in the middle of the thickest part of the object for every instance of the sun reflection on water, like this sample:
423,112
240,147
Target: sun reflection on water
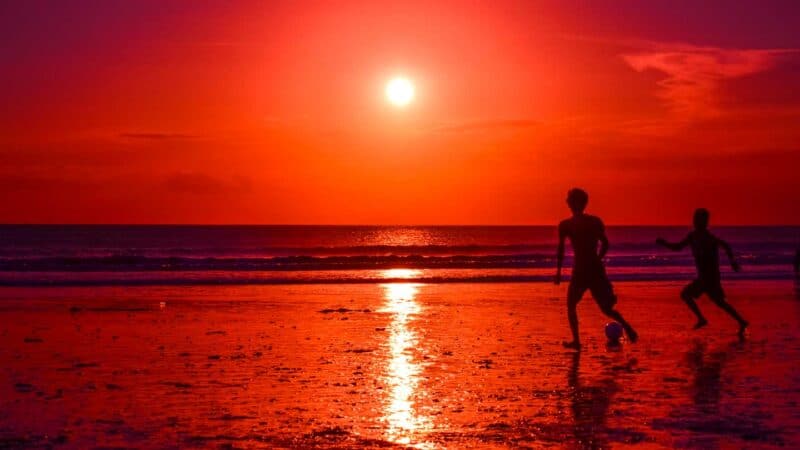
401,273
404,421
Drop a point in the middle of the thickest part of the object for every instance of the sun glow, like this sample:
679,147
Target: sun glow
400,91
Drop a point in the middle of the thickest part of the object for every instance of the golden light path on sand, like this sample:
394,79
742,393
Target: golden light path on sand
404,423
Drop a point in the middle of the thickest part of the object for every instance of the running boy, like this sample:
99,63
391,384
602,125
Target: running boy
585,232
705,249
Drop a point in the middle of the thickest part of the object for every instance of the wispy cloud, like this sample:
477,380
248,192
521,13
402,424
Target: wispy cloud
483,125
694,74
157,136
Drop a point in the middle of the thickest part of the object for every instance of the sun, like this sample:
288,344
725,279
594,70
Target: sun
400,91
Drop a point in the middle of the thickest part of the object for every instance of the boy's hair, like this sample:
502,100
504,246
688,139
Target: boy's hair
701,217
577,199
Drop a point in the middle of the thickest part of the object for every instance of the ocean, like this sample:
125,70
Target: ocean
97,255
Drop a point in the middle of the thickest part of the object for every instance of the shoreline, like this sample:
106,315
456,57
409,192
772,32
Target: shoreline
369,278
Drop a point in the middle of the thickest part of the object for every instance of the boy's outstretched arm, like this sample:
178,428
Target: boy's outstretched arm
674,246
560,254
728,251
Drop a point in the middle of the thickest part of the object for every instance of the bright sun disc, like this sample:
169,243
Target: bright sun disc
400,91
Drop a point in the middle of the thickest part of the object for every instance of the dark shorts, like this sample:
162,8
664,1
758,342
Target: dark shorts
698,287
597,283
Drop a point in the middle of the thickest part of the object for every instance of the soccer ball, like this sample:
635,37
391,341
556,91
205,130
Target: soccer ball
613,331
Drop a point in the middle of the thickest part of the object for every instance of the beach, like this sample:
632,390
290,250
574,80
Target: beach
368,225
414,365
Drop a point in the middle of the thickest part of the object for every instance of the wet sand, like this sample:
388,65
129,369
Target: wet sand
392,366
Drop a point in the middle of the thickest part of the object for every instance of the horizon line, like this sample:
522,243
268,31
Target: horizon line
476,225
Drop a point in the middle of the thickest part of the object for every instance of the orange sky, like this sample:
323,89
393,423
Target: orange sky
256,112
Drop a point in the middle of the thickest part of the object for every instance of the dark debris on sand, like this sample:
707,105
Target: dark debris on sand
343,310
177,384
24,387
230,417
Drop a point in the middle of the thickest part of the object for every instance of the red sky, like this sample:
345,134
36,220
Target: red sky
274,112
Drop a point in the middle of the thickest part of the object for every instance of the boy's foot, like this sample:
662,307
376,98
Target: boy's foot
743,327
700,324
573,345
633,336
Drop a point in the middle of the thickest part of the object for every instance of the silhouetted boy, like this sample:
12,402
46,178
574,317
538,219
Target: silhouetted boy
705,249
585,232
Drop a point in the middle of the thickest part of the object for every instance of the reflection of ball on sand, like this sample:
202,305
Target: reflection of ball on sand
613,332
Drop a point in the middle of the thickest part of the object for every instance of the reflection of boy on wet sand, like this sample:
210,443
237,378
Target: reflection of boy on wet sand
590,405
707,371
586,232
705,249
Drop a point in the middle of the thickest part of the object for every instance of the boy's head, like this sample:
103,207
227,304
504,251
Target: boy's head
577,199
701,216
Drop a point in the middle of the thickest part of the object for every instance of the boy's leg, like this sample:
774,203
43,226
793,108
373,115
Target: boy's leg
603,293
718,297
689,293
574,294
